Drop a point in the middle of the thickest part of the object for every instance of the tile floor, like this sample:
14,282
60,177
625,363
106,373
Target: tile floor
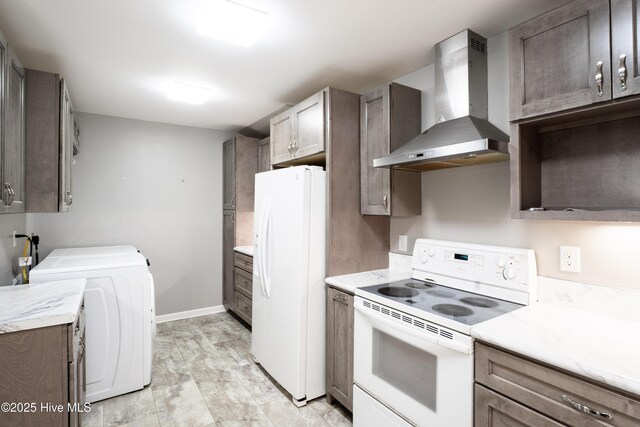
203,375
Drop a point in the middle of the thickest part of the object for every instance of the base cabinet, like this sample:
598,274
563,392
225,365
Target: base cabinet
44,367
340,347
512,390
228,242
243,286
495,410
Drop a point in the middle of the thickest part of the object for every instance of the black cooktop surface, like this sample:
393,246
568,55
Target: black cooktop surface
461,306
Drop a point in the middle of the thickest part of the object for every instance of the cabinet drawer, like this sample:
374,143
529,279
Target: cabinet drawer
243,307
494,410
244,262
553,393
244,282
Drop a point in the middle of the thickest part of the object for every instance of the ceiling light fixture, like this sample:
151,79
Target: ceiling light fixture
233,22
190,94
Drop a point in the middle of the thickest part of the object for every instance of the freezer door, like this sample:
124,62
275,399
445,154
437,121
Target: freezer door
280,276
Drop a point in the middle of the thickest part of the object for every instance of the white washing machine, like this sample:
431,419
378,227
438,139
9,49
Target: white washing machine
120,317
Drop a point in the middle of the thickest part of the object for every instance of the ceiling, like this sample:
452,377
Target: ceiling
119,55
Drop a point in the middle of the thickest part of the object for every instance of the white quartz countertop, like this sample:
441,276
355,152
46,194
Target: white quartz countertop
40,305
594,345
246,250
349,282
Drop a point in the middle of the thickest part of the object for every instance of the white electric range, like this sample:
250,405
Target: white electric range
413,352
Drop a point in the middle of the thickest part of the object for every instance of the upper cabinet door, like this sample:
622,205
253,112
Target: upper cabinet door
308,126
229,175
375,183
625,43
13,144
281,131
561,60
264,155
67,135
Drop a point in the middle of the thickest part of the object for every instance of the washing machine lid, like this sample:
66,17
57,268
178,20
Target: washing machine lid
64,265
92,251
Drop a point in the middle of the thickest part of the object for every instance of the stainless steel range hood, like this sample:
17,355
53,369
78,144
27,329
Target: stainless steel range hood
462,136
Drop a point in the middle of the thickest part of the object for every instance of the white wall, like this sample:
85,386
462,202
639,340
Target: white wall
472,204
8,254
157,187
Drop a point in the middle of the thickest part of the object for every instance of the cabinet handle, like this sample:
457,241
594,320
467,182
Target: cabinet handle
599,78
290,148
233,217
69,198
385,202
294,146
233,201
9,194
583,408
622,72
339,297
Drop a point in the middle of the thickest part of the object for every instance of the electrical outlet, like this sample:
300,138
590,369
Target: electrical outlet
570,259
402,243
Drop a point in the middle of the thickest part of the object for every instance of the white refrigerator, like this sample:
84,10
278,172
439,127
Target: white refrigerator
288,332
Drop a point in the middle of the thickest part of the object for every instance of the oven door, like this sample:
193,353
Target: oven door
409,372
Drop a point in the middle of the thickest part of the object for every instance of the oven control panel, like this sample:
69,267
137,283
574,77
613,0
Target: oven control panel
502,267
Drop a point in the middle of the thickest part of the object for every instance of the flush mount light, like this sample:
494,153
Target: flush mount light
190,94
233,22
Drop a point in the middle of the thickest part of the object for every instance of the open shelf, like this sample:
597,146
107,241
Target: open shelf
583,166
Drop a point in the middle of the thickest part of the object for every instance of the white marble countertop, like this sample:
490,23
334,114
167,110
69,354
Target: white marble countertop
349,282
246,250
40,305
399,269
594,345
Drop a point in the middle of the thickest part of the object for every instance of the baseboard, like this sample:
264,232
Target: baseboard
189,313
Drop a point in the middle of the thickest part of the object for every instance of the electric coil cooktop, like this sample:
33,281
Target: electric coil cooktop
454,304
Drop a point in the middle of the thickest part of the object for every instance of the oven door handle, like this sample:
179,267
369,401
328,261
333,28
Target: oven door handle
452,345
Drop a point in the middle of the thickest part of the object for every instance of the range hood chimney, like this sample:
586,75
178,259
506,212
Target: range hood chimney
462,135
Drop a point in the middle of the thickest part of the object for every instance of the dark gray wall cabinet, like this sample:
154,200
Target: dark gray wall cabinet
340,347
12,117
264,155
389,116
575,113
324,130
299,132
51,136
577,55
625,43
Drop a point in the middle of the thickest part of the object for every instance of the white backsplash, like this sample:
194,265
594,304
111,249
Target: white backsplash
615,302
399,262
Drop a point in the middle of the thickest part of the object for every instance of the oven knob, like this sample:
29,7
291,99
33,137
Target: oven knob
509,273
502,261
423,259
432,253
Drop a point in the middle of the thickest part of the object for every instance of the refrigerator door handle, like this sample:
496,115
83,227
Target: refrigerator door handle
260,241
265,251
